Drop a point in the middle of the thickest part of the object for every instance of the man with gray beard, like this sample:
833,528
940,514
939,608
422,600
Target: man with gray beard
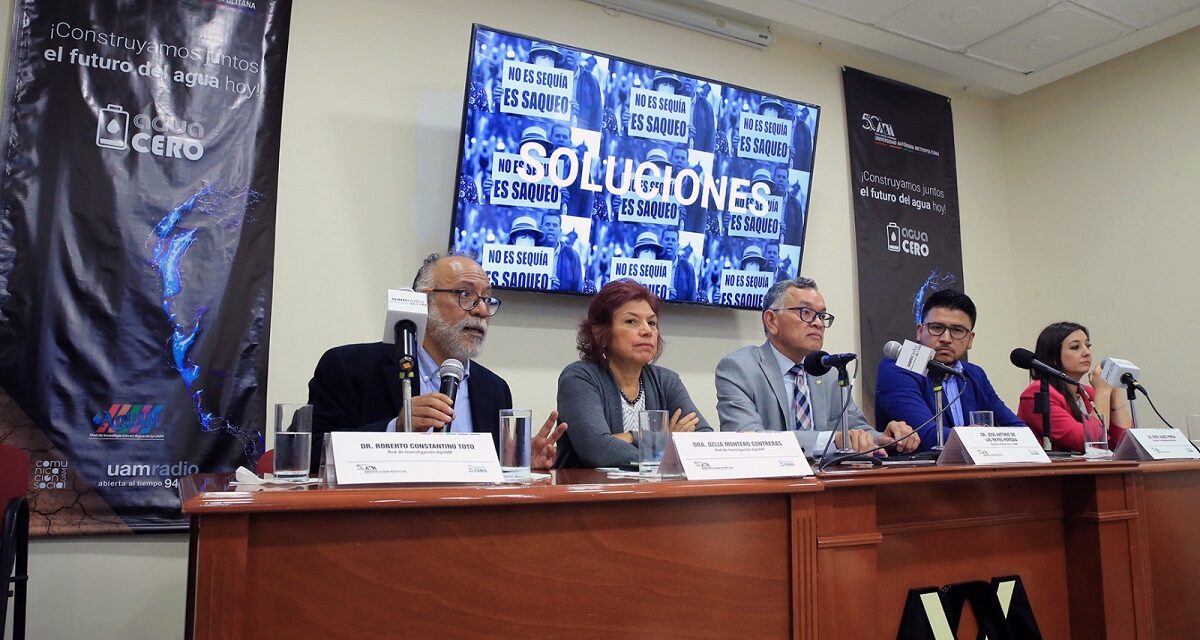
357,387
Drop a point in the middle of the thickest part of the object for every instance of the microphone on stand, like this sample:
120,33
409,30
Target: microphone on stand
1128,380
891,351
918,359
404,326
818,363
1024,359
1122,374
1131,384
405,334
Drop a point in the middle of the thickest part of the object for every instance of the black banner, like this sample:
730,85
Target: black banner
136,248
906,223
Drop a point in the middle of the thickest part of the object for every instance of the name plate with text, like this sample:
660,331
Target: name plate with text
385,458
725,456
992,445
1155,444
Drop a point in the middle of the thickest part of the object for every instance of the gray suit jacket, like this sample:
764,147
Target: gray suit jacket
752,396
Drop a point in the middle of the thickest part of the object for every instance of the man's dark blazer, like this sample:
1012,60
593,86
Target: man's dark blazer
356,387
901,394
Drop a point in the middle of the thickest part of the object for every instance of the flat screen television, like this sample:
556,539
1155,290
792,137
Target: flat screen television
578,168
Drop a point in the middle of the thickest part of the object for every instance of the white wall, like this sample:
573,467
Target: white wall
371,120
1102,186
116,587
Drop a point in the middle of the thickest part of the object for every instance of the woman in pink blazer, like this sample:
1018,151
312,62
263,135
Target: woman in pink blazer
1077,414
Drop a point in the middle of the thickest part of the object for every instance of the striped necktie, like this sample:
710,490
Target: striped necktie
800,404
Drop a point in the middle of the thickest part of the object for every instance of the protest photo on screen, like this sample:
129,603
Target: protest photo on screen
577,168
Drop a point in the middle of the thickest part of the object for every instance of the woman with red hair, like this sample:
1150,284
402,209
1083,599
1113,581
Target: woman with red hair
601,394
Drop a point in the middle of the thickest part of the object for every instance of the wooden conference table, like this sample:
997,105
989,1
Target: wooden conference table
1104,549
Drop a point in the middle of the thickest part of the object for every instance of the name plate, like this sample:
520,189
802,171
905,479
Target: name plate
385,458
1155,444
726,456
992,445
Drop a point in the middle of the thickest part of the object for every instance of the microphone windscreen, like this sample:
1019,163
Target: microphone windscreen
891,350
813,365
451,368
1022,358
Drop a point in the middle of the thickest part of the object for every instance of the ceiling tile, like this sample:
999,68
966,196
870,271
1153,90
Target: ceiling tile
868,11
958,24
1049,43
1058,34
1140,13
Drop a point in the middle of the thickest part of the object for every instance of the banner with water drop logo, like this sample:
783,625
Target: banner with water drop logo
136,248
904,184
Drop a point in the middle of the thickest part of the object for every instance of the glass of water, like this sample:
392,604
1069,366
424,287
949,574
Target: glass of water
293,441
982,419
1193,427
1095,441
516,441
654,431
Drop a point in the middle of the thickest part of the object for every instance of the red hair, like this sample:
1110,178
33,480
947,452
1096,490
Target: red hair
595,330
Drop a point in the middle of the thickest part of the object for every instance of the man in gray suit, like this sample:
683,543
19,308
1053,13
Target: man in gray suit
757,386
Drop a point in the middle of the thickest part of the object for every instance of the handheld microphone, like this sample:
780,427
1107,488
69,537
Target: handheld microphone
1023,359
818,363
891,351
451,372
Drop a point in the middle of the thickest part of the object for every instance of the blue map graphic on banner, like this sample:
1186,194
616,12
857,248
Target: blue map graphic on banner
171,243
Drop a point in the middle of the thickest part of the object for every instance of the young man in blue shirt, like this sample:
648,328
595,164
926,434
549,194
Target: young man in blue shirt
948,327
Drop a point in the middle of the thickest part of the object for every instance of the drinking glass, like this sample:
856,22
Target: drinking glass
516,441
654,432
293,441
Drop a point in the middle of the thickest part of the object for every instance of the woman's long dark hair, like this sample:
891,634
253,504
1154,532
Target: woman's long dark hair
1049,350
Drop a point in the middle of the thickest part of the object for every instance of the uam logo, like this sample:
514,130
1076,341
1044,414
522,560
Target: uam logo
132,421
875,125
164,137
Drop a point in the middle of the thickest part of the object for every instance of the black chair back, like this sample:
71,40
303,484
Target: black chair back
14,538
